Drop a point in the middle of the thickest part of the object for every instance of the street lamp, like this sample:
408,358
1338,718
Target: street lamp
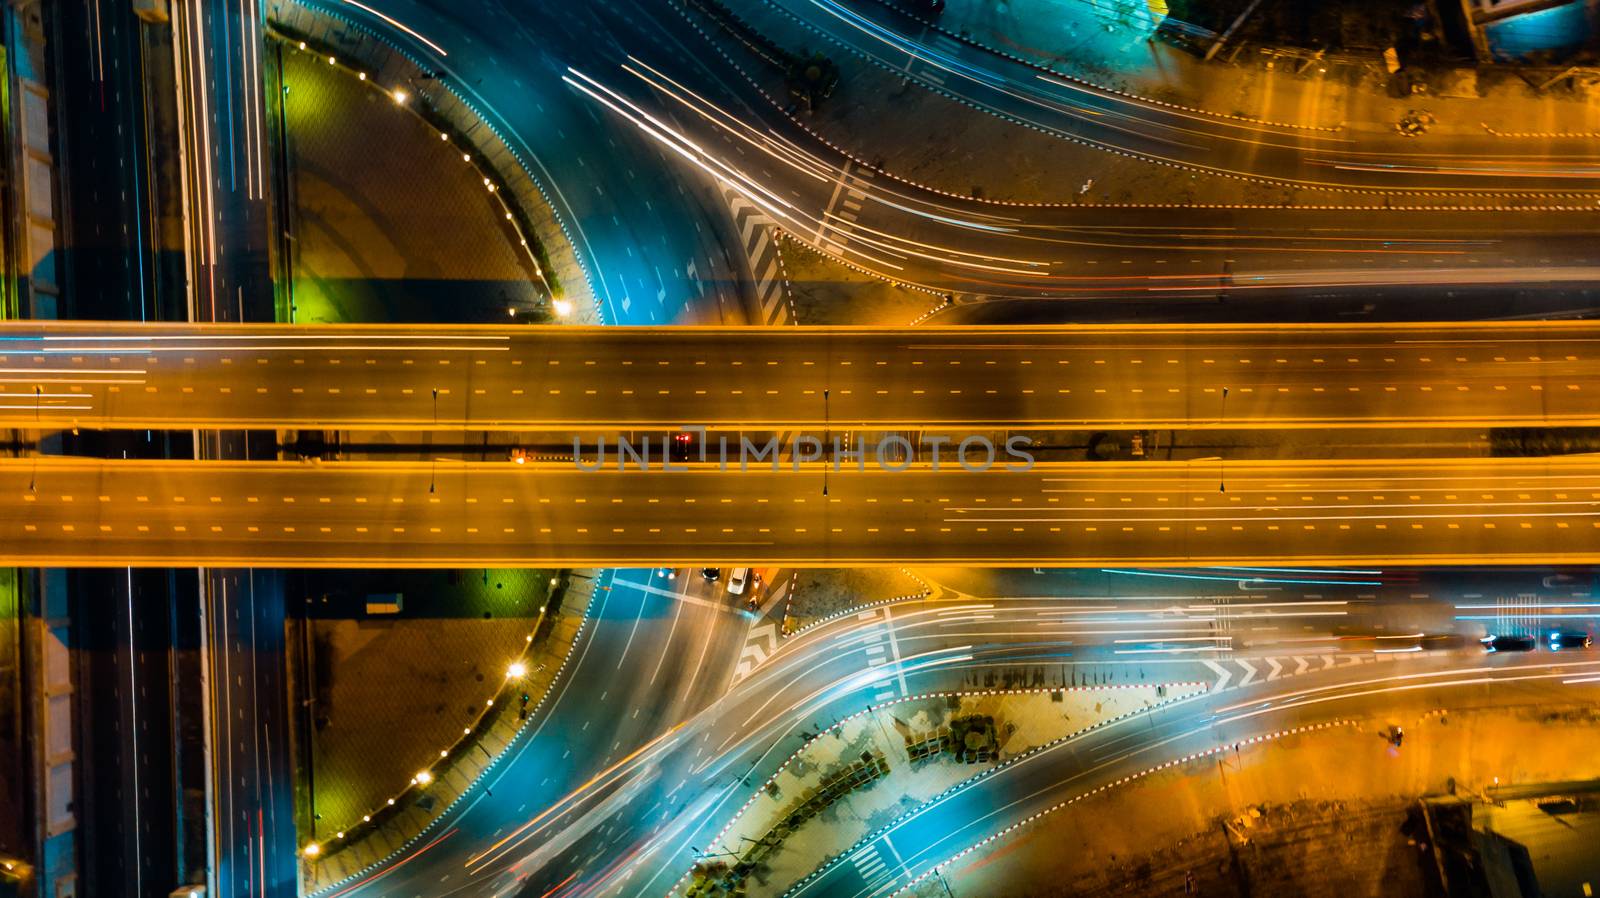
422,778
312,849
516,671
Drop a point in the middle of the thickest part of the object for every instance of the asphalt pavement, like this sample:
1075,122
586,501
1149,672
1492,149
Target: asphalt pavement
565,378
657,652
637,828
1344,157
69,512
634,121
252,778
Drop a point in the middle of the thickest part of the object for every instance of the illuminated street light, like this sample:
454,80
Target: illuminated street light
312,849
400,96
516,671
422,778
563,307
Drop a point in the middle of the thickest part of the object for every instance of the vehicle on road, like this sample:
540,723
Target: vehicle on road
712,574
1568,640
1509,643
738,580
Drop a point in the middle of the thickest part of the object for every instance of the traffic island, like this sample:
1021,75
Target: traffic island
1332,811
420,703
828,290
817,595
373,241
880,765
499,172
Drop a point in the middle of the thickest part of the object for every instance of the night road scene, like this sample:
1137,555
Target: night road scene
800,449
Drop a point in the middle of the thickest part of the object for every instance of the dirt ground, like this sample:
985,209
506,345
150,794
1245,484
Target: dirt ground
820,593
1315,815
827,292
390,692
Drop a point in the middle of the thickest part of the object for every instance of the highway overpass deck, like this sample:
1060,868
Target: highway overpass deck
103,375
72,512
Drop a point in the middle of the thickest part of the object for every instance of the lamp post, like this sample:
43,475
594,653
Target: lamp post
827,444
1222,484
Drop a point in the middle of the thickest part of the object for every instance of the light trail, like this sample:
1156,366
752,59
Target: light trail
397,24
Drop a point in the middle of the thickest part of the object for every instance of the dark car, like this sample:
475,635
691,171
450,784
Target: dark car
711,573
1509,643
1566,640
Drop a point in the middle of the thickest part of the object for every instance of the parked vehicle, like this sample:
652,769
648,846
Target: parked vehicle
738,580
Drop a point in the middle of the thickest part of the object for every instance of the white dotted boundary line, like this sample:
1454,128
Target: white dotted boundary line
942,305
577,637
988,772
1578,134
832,257
1078,79
783,275
925,696
1210,752
927,590
494,129
1253,179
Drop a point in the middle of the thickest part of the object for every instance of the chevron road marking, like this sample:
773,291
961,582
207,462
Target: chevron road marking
1223,676
759,645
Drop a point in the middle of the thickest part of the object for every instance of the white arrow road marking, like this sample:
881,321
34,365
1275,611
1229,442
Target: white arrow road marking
1223,675
1301,665
1327,661
767,633
1249,671
754,653
1276,669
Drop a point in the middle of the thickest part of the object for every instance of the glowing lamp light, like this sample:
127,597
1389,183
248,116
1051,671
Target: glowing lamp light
312,849
422,778
563,307
399,95
516,671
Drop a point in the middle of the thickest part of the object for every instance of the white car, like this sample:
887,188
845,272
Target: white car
738,580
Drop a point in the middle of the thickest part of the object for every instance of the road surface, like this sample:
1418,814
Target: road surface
565,378
636,828
71,512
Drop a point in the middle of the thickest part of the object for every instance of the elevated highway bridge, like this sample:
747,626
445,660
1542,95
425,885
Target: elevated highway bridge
531,378
78,512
